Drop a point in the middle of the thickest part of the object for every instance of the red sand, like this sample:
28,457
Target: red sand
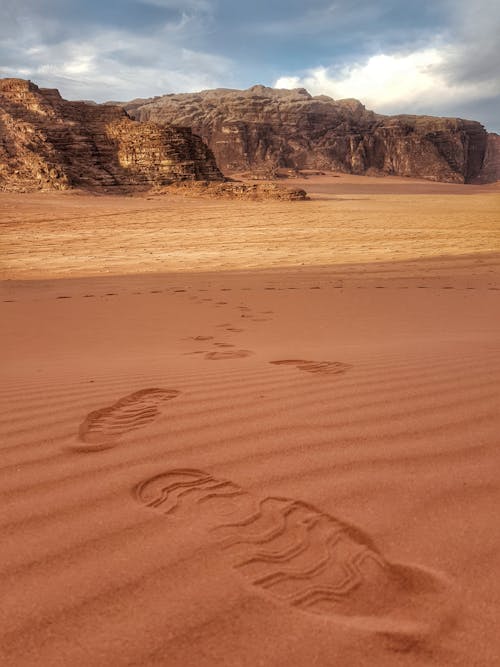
292,466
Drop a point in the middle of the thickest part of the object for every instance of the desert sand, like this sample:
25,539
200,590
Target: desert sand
251,433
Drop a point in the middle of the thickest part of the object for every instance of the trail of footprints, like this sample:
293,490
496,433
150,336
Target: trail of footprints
295,552
103,428
321,367
315,287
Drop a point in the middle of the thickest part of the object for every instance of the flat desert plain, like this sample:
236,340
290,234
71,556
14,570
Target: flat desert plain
251,433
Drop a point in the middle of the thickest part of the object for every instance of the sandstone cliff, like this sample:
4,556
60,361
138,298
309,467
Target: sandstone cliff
264,129
48,142
490,171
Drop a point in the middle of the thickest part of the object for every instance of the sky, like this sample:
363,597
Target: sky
437,57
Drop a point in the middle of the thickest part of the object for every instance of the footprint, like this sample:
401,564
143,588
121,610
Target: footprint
322,367
303,557
103,428
232,354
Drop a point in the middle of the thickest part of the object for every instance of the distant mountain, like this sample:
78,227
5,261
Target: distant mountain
265,129
49,143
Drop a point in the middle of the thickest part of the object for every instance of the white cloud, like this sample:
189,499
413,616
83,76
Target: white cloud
395,83
453,71
118,65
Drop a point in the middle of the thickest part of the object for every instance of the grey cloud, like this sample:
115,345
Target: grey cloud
473,31
143,47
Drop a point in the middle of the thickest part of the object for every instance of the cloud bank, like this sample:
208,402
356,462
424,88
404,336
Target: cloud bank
414,82
438,57
454,70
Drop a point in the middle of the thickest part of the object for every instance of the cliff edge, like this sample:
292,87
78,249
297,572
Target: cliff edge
47,142
266,129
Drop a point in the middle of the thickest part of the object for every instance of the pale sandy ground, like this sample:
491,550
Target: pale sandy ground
170,496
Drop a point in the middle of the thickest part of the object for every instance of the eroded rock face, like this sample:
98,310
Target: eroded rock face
490,171
47,142
263,128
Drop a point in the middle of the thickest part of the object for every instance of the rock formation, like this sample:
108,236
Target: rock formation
47,142
237,190
490,171
264,129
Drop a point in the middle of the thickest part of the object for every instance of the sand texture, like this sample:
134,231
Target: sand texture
269,464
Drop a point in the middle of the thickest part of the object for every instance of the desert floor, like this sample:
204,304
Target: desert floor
246,433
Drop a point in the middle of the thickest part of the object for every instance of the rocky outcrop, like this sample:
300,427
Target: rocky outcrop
490,171
47,142
237,190
264,129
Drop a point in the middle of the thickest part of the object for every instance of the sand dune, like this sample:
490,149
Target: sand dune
278,466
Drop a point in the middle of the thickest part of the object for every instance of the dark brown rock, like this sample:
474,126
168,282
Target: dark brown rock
47,142
490,171
265,129
237,190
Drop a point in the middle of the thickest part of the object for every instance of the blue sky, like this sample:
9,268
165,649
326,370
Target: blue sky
437,57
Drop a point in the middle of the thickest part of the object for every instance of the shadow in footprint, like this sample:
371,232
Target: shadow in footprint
322,367
304,557
103,428
232,354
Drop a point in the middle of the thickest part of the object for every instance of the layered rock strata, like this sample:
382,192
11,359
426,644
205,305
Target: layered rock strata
47,142
266,129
